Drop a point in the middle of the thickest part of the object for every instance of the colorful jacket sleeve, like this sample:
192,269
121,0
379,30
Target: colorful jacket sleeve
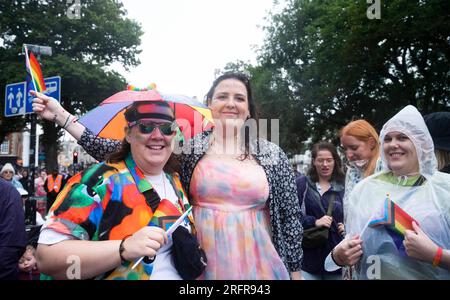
79,207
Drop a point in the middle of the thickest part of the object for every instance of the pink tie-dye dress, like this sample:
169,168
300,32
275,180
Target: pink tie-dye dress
232,220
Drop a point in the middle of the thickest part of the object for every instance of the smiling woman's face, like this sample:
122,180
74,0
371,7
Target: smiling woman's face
230,101
151,150
400,154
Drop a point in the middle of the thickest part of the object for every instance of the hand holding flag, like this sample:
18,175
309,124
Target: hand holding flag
418,245
396,221
35,79
169,231
47,107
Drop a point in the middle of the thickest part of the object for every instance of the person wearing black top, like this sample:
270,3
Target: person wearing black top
12,231
438,124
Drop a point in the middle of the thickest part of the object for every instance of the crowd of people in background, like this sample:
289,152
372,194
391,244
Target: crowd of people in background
22,231
254,219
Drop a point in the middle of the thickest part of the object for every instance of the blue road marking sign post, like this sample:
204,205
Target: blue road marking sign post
19,102
15,96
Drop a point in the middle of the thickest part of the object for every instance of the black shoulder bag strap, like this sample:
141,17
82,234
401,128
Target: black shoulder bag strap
420,181
152,198
330,204
303,206
330,207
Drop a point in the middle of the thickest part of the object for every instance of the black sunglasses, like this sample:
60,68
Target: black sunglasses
148,127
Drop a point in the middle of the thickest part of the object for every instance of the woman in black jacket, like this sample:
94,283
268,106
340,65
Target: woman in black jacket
323,184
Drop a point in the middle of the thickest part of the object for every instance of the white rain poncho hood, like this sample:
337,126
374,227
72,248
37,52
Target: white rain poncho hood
411,123
428,204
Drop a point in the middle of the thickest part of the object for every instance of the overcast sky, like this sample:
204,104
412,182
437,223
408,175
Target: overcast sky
184,41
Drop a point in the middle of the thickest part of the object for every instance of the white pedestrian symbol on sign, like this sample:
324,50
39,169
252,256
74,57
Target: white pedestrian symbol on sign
19,97
11,99
15,106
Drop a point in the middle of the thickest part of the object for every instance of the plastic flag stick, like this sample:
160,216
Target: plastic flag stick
169,231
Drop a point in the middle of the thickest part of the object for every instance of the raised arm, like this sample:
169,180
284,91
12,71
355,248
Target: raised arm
51,110
97,147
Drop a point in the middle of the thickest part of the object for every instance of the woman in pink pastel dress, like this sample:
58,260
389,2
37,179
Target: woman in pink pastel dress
233,221
241,193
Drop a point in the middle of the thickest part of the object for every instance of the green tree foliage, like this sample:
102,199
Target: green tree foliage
324,63
84,48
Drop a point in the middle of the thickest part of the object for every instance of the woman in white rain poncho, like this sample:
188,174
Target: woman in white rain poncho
409,175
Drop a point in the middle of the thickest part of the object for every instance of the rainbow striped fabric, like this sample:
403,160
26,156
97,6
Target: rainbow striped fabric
34,71
396,221
165,215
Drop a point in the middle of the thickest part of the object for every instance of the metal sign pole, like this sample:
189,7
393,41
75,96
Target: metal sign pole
38,50
32,152
45,51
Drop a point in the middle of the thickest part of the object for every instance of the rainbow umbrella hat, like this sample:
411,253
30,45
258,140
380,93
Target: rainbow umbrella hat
108,119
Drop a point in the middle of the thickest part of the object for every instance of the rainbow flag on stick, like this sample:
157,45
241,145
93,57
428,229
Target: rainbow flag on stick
396,221
165,215
34,71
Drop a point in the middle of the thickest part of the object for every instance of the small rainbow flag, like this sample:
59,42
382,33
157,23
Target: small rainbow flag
34,71
396,221
165,215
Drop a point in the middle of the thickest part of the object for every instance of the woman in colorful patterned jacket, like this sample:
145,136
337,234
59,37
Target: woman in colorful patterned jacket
99,224
247,213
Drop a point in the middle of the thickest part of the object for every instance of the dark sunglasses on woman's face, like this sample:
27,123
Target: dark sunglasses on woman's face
148,127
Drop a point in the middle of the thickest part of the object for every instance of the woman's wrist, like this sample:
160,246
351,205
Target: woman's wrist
437,257
71,120
335,258
61,117
122,250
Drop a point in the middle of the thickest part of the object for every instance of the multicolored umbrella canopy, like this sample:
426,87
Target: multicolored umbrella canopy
108,119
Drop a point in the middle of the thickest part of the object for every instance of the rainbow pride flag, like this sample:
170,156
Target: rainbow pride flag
165,215
34,71
396,221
